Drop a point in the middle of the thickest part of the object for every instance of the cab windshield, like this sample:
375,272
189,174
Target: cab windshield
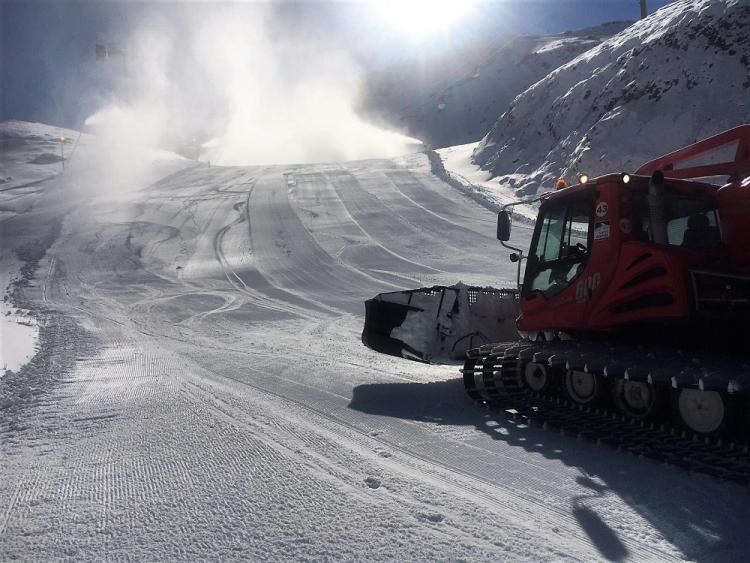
560,246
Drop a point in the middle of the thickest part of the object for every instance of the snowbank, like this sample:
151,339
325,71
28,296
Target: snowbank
457,162
19,332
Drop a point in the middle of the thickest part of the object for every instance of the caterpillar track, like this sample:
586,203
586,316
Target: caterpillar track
578,389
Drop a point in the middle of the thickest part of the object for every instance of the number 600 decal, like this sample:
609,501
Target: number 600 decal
587,286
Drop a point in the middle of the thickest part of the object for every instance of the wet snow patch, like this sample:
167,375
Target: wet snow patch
431,517
373,482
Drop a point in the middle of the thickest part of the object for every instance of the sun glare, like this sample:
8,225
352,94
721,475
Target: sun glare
420,18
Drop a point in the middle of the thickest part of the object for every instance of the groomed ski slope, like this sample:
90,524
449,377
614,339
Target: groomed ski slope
201,390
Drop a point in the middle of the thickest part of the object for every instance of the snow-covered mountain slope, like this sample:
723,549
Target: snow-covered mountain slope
677,76
455,99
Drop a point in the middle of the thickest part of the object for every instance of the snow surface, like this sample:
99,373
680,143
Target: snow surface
678,76
201,391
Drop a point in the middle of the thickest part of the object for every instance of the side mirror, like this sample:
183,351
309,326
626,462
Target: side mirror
503,226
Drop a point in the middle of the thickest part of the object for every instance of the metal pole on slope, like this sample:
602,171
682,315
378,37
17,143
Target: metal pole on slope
644,10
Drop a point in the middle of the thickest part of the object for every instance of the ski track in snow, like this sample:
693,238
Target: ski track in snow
207,395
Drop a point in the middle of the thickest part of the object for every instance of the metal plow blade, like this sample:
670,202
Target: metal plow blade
439,324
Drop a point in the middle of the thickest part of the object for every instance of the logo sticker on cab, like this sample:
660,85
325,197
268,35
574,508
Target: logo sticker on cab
601,230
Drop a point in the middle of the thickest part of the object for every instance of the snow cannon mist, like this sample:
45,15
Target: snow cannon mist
236,81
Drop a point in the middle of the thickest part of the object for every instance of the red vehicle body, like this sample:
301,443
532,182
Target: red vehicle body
611,271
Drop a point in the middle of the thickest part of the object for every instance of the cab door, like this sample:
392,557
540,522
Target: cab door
559,252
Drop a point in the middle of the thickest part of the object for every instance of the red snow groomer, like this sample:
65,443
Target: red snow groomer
635,300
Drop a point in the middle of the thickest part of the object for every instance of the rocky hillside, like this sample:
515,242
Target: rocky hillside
677,76
456,98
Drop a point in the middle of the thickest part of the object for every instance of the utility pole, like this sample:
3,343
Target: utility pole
644,10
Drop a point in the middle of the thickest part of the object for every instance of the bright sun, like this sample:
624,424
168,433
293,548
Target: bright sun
420,18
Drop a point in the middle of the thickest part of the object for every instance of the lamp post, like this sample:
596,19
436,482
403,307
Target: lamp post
62,150
644,10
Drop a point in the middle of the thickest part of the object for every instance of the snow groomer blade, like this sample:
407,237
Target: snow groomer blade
384,313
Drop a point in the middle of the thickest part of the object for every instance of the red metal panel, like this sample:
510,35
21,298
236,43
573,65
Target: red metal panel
738,168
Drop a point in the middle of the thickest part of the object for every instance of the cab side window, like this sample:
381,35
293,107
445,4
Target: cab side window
691,220
693,226
560,248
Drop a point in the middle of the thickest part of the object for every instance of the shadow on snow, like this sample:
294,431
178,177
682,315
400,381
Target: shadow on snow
703,518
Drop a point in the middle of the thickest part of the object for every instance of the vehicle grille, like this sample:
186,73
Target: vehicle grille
721,294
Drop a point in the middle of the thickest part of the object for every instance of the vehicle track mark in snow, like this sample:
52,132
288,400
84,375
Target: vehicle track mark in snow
296,303
346,235
364,207
301,266
443,200
48,278
17,492
386,216
408,185
337,256
445,232
238,283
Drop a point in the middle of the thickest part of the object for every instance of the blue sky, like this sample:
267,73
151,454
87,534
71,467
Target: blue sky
48,70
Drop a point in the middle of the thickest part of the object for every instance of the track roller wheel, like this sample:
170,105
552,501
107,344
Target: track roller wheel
703,412
636,399
582,387
537,377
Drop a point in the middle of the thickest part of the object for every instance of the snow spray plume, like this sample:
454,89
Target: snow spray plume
243,85
136,120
